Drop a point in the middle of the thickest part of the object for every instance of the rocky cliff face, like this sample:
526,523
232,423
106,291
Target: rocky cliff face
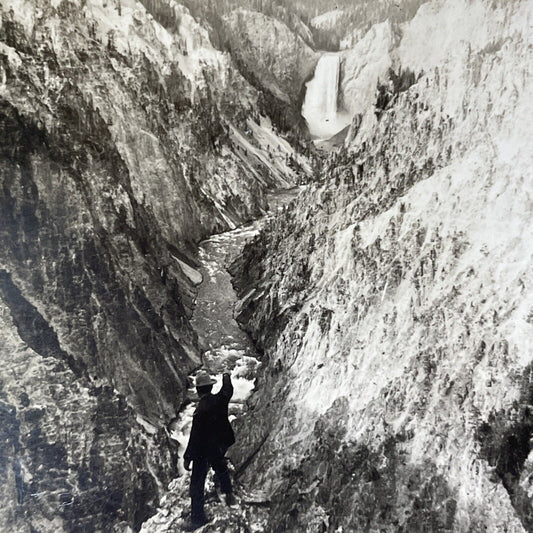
73,455
125,138
273,55
364,65
272,47
340,25
277,56
393,301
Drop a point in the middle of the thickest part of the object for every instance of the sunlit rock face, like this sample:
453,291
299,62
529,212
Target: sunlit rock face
121,145
364,65
394,301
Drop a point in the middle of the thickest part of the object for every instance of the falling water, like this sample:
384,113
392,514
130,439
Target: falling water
320,104
328,74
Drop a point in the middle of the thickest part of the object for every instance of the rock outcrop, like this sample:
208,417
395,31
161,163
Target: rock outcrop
364,65
393,301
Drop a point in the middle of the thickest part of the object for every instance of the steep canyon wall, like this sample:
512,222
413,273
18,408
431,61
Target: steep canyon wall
125,137
393,301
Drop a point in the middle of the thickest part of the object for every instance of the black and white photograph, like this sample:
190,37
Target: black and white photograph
266,266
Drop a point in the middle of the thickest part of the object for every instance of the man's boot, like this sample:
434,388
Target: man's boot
198,518
198,521
230,499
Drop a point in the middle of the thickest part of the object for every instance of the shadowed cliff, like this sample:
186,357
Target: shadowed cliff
122,144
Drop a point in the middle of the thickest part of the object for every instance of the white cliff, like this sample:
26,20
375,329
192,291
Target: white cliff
394,302
364,65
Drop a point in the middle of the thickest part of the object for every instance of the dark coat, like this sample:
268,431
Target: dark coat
211,432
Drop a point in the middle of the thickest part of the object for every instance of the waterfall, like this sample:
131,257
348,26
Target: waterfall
329,75
320,104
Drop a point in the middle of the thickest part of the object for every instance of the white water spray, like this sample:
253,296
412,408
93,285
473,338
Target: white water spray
320,104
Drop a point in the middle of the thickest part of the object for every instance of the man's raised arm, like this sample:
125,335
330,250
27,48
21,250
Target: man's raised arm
226,391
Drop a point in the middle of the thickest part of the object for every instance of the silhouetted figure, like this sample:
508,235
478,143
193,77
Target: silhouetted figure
211,436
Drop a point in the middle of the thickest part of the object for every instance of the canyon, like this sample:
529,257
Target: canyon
375,311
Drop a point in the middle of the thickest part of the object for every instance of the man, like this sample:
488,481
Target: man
211,436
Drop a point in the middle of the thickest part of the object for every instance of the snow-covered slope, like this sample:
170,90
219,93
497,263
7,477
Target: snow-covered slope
394,300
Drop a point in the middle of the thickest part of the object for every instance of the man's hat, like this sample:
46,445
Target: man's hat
203,379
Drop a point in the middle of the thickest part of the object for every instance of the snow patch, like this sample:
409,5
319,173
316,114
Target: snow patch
190,272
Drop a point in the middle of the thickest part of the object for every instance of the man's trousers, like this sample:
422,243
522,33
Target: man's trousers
200,467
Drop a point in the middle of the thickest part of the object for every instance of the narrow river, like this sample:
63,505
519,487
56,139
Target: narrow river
225,347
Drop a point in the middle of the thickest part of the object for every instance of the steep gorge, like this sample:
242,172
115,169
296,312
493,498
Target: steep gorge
391,301
122,144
